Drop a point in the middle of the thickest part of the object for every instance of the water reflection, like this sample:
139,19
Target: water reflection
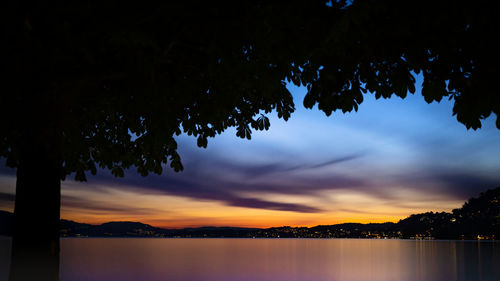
273,259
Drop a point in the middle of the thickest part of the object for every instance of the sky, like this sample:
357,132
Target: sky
392,158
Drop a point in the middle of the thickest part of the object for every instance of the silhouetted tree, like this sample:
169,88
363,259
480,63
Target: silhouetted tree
108,85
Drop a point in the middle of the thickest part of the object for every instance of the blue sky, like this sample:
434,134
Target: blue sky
399,141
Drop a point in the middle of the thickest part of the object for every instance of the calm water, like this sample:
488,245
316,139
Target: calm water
121,259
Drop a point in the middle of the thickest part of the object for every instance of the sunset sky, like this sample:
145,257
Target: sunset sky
390,159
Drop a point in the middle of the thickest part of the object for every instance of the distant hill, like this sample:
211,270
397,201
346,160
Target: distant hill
479,215
114,229
477,218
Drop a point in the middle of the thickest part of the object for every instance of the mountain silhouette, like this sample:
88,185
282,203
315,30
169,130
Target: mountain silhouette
478,218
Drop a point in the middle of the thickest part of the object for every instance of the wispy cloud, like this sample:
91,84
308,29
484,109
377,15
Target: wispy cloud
245,184
87,205
252,170
217,180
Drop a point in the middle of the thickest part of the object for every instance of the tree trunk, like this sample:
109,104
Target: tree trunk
35,240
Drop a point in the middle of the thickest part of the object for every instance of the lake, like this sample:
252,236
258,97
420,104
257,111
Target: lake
145,259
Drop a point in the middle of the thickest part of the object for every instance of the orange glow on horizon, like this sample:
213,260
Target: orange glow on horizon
169,211
231,223
97,204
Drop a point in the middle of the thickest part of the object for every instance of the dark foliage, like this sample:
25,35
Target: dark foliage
118,86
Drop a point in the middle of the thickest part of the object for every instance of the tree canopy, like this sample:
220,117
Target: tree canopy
119,81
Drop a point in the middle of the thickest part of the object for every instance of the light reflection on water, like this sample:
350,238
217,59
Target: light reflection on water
121,259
